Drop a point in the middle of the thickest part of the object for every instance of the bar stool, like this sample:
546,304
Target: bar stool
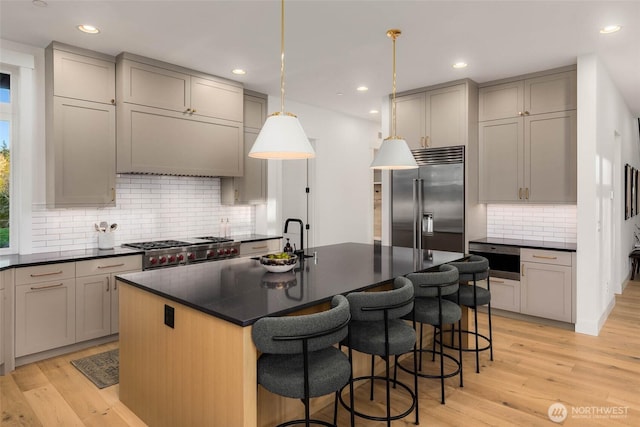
299,359
431,308
474,268
377,328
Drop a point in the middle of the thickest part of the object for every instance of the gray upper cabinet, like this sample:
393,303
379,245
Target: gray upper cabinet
80,127
434,118
171,120
528,140
251,188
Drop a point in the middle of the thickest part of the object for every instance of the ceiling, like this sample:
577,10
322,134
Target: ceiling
335,46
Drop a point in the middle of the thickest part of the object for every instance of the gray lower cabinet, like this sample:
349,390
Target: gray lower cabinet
157,141
45,316
80,127
546,279
97,294
505,293
2,311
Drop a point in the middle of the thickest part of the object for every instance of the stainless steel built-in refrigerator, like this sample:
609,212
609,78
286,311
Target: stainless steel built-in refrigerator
428,202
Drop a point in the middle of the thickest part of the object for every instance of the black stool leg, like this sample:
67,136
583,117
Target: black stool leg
459,348
490,333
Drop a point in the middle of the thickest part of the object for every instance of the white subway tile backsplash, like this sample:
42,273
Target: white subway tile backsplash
147,208
554,223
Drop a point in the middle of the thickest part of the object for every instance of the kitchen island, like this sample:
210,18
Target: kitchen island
186,353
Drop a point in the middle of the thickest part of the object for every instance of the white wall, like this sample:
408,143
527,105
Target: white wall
603,121
343,190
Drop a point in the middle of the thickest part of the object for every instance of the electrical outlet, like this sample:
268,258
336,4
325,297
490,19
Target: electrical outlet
169,316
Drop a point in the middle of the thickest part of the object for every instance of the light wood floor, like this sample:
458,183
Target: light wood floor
534,367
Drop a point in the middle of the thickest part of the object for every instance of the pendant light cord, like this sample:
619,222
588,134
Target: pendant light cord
393,35
282,58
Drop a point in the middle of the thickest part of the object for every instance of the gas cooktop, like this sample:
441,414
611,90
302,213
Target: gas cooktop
169,253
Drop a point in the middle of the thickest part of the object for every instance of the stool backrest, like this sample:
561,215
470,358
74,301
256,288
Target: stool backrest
285,335
426,284
475,264
371,306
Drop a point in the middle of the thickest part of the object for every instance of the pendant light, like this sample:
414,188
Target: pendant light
282,136
394,152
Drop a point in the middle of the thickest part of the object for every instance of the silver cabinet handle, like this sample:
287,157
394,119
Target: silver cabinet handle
46,274
111,266
496,281
37,288
259,247
545,257
522,269
108,282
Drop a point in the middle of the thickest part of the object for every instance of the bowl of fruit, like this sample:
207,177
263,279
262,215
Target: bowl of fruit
279,262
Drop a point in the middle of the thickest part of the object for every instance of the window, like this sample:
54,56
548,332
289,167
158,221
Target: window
6,118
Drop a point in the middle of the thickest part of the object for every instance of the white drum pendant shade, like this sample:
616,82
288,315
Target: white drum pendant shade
394,154
282,137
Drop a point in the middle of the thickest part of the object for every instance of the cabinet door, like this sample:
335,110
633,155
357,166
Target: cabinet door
155,87
505,293
501,154
550,143
552,93
82,77
82,155
45,316
216,99
252,187
93,307
115,304
260,248
446,117
501,101
156,141
546,291
255,113
411,120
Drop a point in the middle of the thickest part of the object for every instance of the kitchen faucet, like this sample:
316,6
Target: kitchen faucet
300,250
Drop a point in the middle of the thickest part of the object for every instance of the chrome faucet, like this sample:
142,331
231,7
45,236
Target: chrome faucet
300,250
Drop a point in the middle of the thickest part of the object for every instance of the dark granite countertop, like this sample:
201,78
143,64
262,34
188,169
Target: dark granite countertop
254,238
15,261
241,291
532,244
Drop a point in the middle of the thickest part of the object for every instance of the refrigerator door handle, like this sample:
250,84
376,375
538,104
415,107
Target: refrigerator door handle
417,214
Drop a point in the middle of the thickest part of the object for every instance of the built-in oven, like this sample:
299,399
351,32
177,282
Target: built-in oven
504,260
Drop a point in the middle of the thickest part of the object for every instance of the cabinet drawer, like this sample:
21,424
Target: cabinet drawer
545,257
44,273
261,247
108,265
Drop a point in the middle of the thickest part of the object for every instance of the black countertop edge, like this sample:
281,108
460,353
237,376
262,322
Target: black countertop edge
232,290
44,258
246,238
529,244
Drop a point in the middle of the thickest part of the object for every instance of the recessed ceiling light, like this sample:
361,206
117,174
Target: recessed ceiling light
339,93
239,71
362,88
460,65
610,29
89,29
39,3
373,111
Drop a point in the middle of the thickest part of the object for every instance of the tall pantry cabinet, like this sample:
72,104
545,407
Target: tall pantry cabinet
528,139
81,127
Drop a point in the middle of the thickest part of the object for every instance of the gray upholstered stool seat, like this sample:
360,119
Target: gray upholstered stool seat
466,298
284,374
299,359
427,311
376,328
368,337
471,270
430,308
